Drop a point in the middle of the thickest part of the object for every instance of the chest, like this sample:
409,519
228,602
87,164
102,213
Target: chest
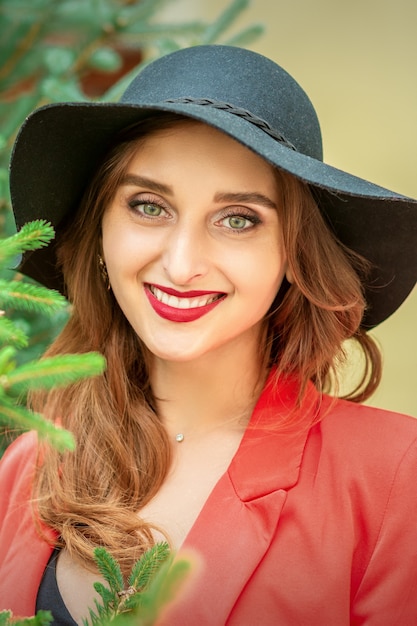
196,469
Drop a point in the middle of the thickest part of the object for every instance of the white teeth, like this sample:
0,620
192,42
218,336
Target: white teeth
164,297
182,303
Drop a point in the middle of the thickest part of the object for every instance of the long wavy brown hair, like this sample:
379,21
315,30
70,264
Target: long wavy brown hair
93,496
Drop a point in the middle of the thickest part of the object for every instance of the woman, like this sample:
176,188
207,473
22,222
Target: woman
219,265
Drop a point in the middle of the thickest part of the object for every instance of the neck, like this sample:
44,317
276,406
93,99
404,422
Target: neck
198,397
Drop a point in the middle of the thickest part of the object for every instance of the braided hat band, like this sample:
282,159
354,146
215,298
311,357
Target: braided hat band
242,113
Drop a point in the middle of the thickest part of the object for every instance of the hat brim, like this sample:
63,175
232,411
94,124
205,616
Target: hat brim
60,146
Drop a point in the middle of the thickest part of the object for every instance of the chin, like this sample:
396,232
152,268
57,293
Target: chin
177,357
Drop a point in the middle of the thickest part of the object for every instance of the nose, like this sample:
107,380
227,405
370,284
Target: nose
186,255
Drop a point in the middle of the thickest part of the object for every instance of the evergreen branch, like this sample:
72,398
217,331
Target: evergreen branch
152,30
102,616
42,618
24,45
141,11
229,15
5,617
110,570
107,596
20,417
7,362
146,567
10,333
31,236
136,606
163,589
27,297
57,371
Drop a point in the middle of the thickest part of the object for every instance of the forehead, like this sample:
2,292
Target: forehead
197,146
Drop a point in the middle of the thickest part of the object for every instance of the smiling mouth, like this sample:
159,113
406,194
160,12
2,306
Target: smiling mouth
185,301
175,306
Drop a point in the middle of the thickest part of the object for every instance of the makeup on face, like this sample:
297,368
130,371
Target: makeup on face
193,243
177,306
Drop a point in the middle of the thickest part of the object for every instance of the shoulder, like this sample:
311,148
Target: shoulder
25,543
20,452
17,471
354,422
365,441
18,464
364,460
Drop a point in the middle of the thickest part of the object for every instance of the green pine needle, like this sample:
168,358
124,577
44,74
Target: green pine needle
7,361
109,569
11,334
52,372
42,618
146,567
106,595
22,418
163,589
27,297
31,236
224,21
137,606
5,617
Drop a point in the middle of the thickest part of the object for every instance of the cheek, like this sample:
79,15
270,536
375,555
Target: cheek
125,251
261,274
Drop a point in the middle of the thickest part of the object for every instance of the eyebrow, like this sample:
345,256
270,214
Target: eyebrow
239,197
249,198
143,181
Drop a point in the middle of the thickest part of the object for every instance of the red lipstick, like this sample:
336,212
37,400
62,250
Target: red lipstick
174,314
183,294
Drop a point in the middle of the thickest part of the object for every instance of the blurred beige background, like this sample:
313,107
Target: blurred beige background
357,60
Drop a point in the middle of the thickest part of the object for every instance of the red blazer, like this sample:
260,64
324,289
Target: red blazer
310,526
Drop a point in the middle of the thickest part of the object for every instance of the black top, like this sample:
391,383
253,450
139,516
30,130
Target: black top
49,597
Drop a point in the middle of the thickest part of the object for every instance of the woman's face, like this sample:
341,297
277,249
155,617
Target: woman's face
193,243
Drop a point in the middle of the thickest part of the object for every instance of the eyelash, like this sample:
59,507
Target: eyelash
231,212
146,201
246,215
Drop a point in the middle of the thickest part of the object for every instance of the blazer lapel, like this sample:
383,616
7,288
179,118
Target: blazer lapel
239,520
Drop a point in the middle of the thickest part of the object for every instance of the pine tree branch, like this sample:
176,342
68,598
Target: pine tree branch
13,335
19,417
57,371
146,567
163,589
162,577
110,570
27,297
31,236
224,21
24,45
42,618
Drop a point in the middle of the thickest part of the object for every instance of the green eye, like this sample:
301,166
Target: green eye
237,222
153,210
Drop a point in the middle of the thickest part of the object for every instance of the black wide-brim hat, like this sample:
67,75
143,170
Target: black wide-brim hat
248,97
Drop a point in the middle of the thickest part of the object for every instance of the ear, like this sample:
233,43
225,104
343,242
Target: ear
289,275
